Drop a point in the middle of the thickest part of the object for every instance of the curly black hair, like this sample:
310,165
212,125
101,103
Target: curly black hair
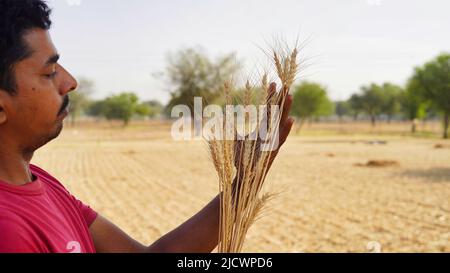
16,18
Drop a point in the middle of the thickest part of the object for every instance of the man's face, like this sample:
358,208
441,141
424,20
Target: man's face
34,115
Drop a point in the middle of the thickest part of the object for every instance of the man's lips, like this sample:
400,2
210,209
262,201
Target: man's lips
64,112
64,107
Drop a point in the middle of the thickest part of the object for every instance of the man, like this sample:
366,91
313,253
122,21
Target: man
37,214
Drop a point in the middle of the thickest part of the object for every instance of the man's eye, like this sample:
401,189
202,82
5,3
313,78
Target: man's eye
51,75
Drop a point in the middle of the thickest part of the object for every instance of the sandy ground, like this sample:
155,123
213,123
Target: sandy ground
148,184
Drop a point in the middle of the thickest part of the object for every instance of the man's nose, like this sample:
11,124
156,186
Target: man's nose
68,83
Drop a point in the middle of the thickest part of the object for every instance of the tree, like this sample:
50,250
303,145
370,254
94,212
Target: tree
193,74
372,101
342,108
156,108
122,106
79,99
391,96
413,105
96,108
311,100
433,81
143,110
356,106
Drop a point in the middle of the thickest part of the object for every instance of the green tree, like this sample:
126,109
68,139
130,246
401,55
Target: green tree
356,106
96,108
193,74
311,101
143,110
433,80
156,108
391,95
122,107
79,99
342,108
413,105
372,101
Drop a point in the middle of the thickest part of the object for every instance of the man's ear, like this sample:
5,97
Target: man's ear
3,112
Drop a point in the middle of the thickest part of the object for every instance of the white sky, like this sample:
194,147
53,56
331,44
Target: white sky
120,44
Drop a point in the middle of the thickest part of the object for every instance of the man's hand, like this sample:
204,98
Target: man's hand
286,122
284,128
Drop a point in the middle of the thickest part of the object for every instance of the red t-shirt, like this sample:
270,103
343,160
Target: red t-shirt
42,216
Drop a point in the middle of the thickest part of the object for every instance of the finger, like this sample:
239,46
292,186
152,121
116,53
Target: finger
286,130
283,136
285,110
271,92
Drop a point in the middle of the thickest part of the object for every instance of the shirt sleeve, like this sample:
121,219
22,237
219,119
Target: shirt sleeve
88,213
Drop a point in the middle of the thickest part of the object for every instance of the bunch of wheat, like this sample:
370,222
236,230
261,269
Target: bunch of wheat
242,165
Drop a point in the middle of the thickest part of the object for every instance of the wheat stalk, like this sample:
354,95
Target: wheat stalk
241,165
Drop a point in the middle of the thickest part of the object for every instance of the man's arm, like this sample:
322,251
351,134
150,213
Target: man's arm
198,234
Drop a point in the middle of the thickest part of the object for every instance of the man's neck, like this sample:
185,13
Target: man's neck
15,166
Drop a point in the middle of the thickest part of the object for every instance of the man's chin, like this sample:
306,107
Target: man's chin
54,133
57,131
45,138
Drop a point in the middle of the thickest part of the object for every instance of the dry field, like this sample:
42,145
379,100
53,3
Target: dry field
148,184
